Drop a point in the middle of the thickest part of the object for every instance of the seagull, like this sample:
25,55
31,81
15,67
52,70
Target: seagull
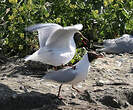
57,46
72,75
124,44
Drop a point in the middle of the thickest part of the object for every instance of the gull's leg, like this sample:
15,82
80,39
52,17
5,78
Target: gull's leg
61,66
58,67
59,91
73,67
55,68
76,89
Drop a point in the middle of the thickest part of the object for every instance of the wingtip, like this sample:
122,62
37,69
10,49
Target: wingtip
34,27
79,26
27,58
30,28
40,26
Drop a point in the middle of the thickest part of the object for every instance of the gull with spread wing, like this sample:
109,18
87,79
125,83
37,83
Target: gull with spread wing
57,46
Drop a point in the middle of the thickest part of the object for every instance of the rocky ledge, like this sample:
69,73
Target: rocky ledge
109,86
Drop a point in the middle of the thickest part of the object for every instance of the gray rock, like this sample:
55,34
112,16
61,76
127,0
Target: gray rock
123,44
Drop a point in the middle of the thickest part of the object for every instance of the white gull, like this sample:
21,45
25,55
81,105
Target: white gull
72,75
57,46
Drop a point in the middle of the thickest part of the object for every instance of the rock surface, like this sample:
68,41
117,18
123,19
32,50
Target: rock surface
109,86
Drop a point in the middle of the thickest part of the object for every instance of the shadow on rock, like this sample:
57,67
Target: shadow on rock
10,100
120,99
31,68
110,101
3,59
87,97
129,95
131,70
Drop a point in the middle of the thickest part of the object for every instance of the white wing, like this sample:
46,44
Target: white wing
62,37
44,31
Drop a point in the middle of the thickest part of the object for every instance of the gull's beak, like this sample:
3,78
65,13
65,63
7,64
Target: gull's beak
85,41
82,36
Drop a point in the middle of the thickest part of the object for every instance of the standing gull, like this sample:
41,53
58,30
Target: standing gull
57,46
72,75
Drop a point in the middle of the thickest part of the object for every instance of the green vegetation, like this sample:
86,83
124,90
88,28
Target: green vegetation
102,19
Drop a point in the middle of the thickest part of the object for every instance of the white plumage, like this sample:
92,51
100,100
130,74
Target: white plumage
71,75
75,74
57,46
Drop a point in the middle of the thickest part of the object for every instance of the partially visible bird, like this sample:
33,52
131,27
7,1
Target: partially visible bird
75,74
57,46
123,44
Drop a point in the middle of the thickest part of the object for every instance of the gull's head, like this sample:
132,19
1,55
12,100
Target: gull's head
78,37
